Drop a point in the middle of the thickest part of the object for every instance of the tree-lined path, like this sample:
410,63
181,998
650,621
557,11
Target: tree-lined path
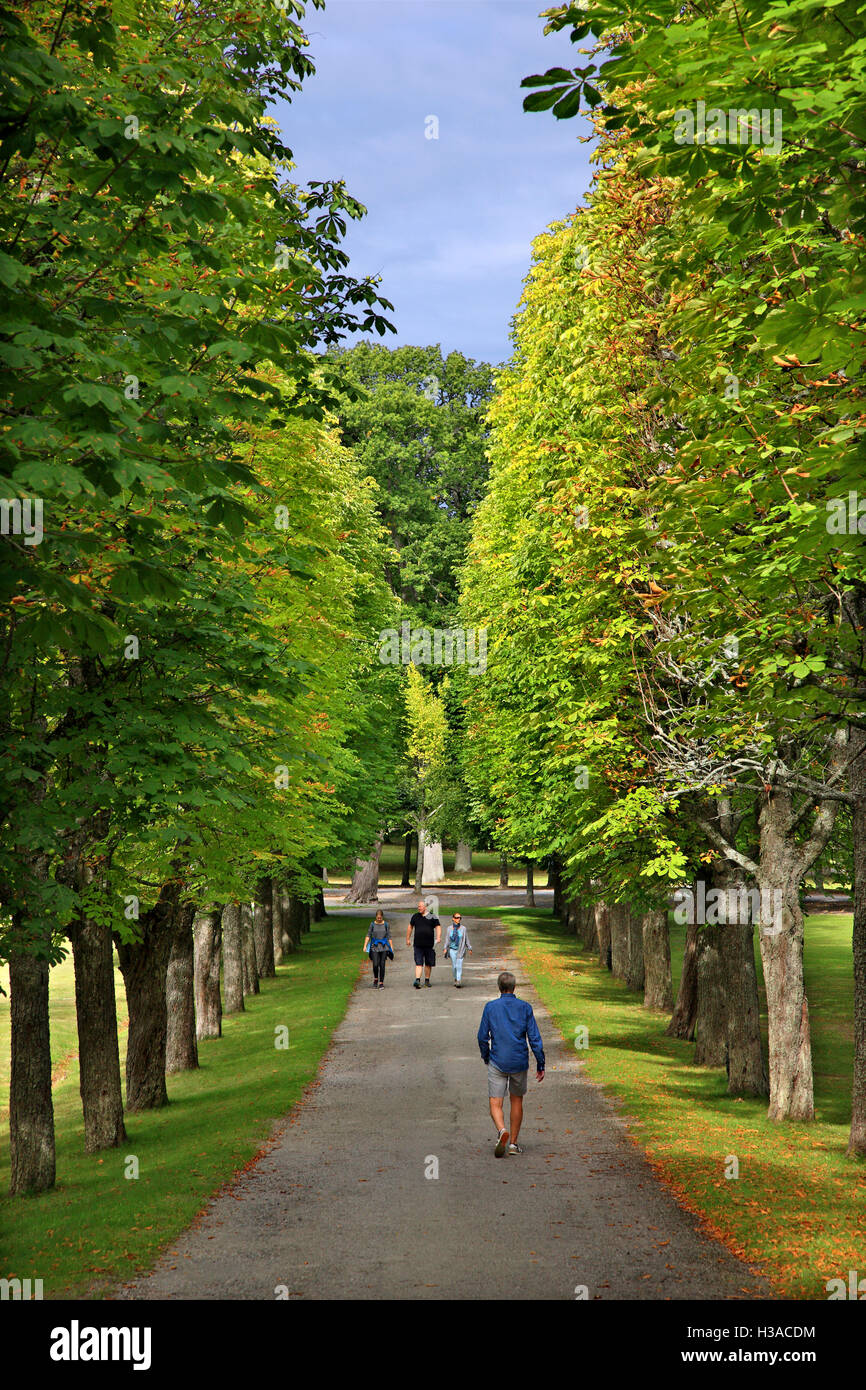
340,1207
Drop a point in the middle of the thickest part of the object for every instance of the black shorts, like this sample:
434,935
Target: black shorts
425,955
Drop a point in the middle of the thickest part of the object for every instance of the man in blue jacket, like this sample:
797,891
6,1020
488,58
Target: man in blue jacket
506,1025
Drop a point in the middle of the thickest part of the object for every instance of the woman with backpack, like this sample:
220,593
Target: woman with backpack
456,946
378,947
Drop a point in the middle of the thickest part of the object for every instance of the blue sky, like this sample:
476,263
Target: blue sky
450,220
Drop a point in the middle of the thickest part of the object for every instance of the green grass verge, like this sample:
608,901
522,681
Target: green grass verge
98,1227
798,1207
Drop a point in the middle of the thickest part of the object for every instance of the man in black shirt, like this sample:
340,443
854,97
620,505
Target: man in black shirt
424,925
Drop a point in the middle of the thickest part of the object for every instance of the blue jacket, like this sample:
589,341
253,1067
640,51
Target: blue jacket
506,1024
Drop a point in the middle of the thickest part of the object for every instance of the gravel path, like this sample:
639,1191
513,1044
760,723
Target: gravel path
341,1205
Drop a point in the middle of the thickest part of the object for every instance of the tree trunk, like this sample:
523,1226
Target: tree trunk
554,879
745,1058
790,1044
296,916
98,1052
262,931
319,910
586,925
233,959
503,871
658,989
602,933
364,887
618,941
181,1052
636,973
530,883
857,786
711,1024
682,1024
574,919
463,858
207,935
419,861
251,974
277,929
434,869
406,880
144,965
31,1109
289,941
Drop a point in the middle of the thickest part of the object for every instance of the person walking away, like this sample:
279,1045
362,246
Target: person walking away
424,925
507,1024
378,947
456,946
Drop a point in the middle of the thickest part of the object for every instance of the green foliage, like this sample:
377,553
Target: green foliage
415,421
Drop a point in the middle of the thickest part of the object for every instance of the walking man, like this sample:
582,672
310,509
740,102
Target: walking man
506,1025
424,925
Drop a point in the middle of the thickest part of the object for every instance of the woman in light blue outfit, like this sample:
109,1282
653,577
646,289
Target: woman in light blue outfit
456,945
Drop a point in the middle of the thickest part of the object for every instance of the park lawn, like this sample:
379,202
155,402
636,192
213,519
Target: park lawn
798,1207
98,1227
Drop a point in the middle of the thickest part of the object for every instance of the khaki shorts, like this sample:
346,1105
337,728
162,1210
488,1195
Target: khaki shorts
498,1081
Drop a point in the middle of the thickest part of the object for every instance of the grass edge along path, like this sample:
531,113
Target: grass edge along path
801,1227
99,1227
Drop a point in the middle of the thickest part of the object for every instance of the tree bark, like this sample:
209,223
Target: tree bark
207,935
635,974
463,858
789,1034
144,965
290,941
319,910
233,959
684,1019
602,933
586,924
262,931
251,974
658,989
554,880
503,871
181,1051
31,1109
364,887
857,786
618,941
419,861
530,883
711,1024
745,1058
98,1051
406,880
295,922
277,929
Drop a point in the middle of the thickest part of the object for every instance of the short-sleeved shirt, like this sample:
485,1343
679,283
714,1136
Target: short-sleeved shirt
425,927
379,931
